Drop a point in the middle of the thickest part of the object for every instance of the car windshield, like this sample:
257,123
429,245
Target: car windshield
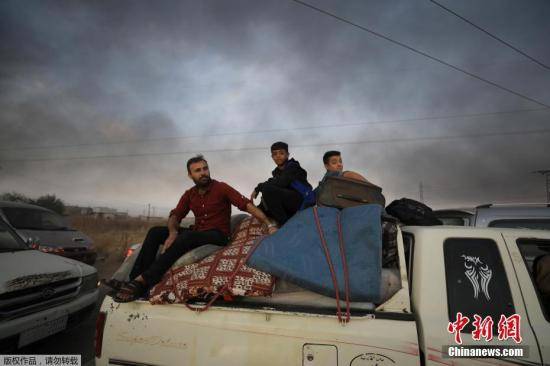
8,240
32,219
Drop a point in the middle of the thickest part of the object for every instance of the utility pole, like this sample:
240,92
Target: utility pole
148,211
546,174
421,192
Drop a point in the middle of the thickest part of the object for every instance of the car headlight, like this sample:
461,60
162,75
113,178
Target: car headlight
89,283
47,249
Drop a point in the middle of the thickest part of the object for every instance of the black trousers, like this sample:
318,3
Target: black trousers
151,268
280,203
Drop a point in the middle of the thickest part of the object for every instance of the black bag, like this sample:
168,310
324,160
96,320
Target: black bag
341,192
411,212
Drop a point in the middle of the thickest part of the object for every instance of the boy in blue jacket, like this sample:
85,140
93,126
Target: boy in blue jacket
288,190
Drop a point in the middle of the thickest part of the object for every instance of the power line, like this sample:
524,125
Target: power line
410,48
273,130
381,141
491,35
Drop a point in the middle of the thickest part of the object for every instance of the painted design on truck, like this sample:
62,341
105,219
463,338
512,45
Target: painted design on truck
371,359
479,275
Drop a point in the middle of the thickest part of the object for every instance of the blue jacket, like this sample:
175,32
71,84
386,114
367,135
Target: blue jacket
292,176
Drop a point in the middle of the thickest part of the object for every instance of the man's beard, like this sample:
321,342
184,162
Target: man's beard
202,182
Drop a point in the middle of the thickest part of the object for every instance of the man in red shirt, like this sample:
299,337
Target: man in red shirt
210,202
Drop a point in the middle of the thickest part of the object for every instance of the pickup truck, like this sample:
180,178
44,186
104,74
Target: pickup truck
40,294
443,270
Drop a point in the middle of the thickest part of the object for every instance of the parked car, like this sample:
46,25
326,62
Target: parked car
131,249
528,216
48,231
40,294
455,217
443,270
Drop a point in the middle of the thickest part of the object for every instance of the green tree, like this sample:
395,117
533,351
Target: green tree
51,202
15,197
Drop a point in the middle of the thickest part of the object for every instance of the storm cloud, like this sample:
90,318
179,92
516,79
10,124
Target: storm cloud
103,102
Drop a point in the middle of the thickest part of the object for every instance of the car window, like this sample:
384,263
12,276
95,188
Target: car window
454,221
476,280
539,224
533,250
32,219
9,240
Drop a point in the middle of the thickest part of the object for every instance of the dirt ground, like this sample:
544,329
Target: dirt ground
112,238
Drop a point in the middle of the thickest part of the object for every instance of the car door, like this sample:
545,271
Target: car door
523,251
443,287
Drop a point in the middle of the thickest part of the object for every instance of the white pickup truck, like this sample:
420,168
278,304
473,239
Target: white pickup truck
443,270
40,294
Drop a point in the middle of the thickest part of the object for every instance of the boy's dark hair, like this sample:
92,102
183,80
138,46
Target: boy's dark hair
279,145
330,154
193,160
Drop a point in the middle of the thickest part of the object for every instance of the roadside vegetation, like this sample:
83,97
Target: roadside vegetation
112,238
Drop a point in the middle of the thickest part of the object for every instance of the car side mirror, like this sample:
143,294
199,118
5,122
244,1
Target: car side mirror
31,243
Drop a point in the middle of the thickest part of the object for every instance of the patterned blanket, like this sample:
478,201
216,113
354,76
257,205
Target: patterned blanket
207,277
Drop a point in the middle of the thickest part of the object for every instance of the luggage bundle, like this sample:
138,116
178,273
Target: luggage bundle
411,212
299,253
341,249
342,192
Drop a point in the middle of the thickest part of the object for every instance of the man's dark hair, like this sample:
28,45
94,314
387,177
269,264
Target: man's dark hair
193,160
279,145
330,154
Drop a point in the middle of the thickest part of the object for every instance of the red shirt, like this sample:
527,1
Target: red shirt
212,209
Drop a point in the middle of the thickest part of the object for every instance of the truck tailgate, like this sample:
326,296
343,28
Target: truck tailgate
141,333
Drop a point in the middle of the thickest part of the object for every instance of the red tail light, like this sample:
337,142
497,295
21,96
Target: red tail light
99,327
47,249
129,252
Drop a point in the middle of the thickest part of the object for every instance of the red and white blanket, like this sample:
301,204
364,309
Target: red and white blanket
207,277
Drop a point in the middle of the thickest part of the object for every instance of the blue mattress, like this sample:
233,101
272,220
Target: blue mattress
295,253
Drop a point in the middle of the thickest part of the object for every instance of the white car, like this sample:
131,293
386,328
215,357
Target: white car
40,294
520,216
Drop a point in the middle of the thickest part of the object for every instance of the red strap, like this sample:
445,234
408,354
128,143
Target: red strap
344,264
331,268
329,262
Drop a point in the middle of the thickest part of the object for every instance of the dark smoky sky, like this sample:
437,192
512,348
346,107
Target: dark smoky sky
102,103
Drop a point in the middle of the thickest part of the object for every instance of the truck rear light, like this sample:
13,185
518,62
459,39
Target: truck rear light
129,252
99,327
47,249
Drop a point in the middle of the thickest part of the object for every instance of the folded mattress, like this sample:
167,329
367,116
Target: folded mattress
295,252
